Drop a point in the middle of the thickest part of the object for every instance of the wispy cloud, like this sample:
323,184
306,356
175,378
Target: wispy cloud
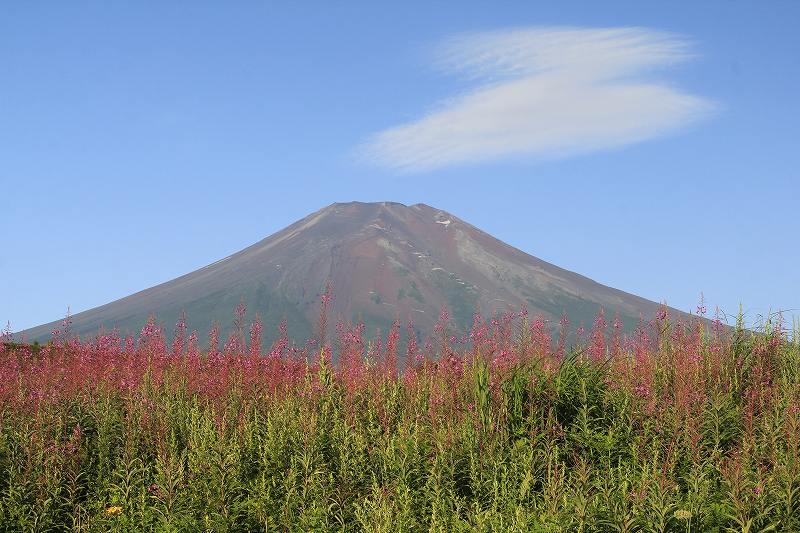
544,92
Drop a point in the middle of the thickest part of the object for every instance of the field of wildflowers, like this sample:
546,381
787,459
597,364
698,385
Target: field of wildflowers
678,427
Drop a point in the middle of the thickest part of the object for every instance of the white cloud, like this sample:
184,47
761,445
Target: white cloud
544,92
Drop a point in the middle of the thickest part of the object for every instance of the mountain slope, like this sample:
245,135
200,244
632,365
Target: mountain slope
384,261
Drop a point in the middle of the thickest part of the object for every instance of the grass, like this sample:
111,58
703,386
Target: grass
680,427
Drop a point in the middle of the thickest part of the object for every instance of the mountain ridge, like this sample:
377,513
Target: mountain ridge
385,260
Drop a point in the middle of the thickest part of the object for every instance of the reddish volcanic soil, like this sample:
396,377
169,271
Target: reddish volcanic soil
384,261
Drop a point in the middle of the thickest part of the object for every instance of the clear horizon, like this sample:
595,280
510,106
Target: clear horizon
651,149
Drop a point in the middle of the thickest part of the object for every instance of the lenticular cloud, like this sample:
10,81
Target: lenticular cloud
544,92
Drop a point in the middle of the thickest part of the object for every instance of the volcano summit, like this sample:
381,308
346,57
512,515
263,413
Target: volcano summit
384,261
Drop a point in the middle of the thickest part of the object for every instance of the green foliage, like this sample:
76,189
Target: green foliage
524,448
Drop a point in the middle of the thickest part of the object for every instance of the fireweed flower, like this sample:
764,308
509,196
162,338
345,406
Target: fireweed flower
440,384
597,349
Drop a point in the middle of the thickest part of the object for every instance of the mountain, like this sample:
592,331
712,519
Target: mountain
384,260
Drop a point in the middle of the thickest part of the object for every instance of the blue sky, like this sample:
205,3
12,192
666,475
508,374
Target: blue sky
140,141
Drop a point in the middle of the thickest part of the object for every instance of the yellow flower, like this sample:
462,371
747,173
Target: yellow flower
114,510
682,514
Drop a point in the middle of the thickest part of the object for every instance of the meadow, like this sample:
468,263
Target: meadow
677,427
